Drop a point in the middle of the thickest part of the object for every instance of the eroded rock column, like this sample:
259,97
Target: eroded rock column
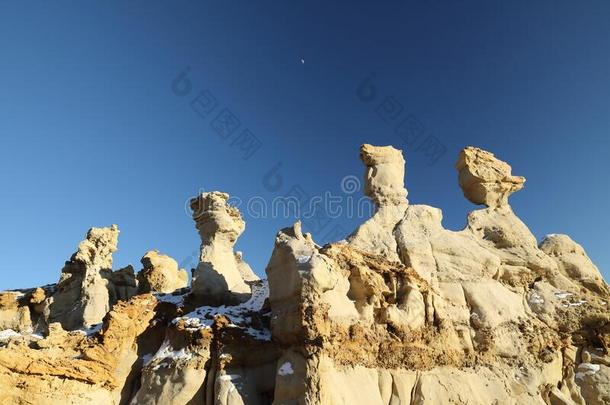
217,278
384,184
82,297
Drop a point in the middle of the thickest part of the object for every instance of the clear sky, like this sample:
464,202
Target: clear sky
94,129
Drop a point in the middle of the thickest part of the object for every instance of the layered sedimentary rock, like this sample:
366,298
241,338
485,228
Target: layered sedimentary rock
160,274
402,312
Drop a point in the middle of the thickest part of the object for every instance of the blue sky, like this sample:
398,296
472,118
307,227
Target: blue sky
91,132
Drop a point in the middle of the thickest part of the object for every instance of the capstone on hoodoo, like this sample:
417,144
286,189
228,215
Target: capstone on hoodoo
485,179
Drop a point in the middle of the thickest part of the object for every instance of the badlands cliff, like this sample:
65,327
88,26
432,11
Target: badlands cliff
401,312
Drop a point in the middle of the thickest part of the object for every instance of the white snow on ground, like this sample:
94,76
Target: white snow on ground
259,334
92,329
303,259
562,295
586,369
177,299
8,333
574,304
203,317
535,298
166,352
285,369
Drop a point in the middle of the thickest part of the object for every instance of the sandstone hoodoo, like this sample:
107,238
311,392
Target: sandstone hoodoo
160,274
403,311
217,278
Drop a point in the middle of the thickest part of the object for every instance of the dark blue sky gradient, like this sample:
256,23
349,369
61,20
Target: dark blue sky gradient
91,133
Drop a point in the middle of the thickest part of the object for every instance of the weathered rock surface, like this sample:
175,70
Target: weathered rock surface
384,185
160,274
217,278
83,295
403,312
485,179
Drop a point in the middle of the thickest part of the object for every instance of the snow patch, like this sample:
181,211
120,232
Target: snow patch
8,333
238,315
285,369
93,329
573,304
562,295
585,369
303,259
177,299
535,298
166,351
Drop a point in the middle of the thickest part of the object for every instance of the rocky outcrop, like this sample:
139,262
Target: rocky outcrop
88,288
160,274
82,297
403,312
573,262
484,179
217,278
245,271
74,367
384,185
13,314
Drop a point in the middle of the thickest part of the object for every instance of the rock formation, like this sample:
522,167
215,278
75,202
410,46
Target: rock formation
402,312
485,179
384,185
82,297
217,278
160,274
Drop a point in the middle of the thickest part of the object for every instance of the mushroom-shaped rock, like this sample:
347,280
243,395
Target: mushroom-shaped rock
384,184
484,179
160,274
217,278
82,297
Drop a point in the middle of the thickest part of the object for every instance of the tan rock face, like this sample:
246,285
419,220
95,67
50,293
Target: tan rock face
160,274
484,179
384,184
384,174
218,276
246,272
13,314
573,262
88,288
403,312
82,297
